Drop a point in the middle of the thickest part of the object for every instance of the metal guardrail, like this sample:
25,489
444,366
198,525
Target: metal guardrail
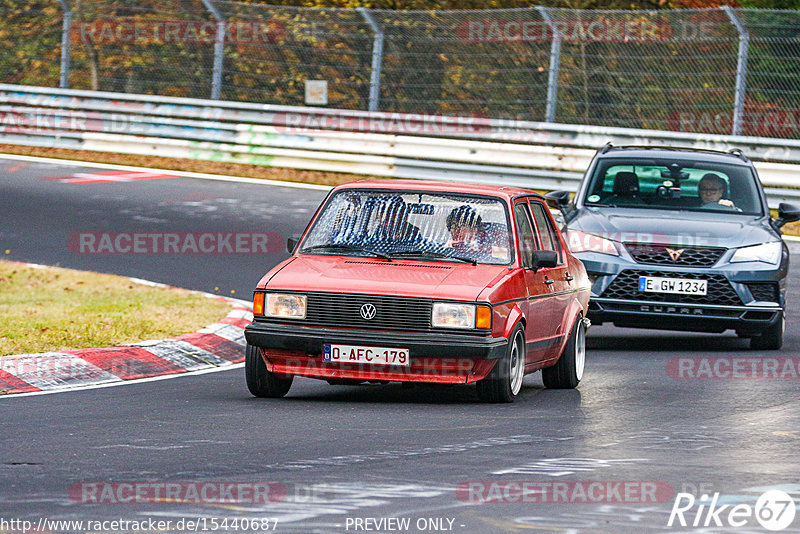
529,154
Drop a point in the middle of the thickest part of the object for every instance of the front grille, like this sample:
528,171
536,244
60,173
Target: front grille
392,313
719,290
685,256
764,291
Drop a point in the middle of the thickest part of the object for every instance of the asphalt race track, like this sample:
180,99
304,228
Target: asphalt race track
371,458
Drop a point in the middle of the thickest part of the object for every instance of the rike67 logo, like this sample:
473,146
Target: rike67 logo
774,511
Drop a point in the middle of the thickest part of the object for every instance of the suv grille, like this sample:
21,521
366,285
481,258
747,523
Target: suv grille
391,313
764,291
689,257
719,290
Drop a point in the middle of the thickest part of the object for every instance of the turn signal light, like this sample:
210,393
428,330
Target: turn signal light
258,304
483,318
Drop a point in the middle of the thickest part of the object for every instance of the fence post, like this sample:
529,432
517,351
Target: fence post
377,59
66,44
741,69
219,50
555,63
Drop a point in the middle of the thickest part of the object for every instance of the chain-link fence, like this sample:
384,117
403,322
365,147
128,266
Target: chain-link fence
709,70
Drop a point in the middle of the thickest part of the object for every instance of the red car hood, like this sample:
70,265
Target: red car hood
406,278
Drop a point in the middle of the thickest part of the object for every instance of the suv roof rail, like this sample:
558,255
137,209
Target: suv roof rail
606,147
736,152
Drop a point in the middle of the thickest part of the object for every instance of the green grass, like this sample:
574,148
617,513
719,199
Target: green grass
53,309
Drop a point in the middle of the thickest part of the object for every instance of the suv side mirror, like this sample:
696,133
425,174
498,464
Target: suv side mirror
787,213
291,244
557,199
544,258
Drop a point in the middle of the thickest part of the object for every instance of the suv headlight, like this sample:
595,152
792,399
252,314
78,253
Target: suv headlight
451,315
766,253
578,241
285,306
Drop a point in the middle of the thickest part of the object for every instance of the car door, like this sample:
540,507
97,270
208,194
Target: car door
557,278
538,307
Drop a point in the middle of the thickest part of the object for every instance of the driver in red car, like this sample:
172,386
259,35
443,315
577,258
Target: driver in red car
393,221
467,231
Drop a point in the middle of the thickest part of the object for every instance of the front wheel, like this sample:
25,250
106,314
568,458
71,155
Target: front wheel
568,370
504,382
771,338
260,382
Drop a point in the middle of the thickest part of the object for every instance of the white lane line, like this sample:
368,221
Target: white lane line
125,382
184,174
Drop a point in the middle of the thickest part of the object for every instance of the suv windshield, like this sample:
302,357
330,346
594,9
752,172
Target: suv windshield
437,226
678,185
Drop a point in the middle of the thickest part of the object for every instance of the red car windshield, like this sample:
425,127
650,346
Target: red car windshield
429,225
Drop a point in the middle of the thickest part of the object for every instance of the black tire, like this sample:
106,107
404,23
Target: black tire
771,338
261,382
568,370
504,382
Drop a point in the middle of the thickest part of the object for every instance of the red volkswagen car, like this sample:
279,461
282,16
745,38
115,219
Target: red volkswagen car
416,281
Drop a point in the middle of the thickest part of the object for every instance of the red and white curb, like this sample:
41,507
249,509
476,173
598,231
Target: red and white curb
218,345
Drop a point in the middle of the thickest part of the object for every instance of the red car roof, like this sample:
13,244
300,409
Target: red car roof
434,185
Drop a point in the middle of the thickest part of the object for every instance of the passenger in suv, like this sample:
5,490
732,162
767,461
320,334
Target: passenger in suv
680,239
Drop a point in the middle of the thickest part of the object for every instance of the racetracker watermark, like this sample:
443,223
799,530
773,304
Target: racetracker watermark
175,243
599,30
177,492
147,32
765,123
290,362
733,368
603,29
58,367
380,122
636,242
566,492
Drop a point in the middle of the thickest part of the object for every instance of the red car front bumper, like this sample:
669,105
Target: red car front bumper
434,370
434,356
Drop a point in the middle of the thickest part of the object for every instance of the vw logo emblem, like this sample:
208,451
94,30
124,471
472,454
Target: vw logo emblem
368,311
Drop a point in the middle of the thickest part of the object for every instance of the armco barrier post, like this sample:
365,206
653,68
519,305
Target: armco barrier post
377,59
66,28
219,50
741,69
555,62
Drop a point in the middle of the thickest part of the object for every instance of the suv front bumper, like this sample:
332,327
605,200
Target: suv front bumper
688,317
741,312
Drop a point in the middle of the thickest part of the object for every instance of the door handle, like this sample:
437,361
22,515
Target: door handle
569,277
549,281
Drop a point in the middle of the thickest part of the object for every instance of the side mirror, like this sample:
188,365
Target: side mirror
544,258
291,244
787,213
557,199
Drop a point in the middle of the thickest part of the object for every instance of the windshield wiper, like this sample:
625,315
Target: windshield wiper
352,248
431,253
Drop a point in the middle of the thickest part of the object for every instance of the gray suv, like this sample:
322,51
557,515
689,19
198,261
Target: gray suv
680,239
